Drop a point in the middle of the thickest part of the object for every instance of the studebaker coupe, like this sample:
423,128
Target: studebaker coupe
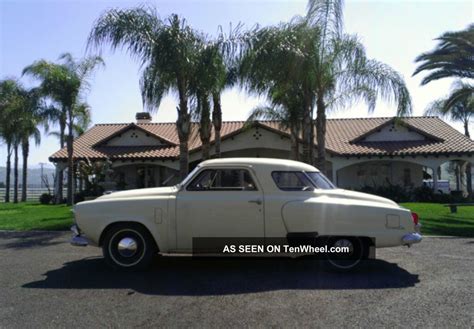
240,197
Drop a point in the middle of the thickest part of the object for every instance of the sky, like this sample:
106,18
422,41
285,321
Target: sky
393,32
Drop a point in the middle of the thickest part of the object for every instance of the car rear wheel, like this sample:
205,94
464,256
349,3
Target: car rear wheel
345,261
128,247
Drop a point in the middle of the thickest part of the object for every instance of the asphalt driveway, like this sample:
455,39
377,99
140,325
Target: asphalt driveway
45,282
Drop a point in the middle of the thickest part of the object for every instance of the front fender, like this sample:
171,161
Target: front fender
93,218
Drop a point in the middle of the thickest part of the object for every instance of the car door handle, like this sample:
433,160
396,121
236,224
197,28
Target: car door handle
257,201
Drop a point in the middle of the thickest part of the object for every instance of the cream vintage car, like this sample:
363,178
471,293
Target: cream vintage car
240,198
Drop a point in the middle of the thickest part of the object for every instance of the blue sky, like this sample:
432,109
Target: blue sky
394,32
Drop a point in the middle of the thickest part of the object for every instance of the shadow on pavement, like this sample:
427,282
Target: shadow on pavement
207,276
30,239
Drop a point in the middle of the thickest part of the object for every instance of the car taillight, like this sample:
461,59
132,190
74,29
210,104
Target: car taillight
415,217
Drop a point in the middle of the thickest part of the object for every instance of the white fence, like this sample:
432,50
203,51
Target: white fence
32,193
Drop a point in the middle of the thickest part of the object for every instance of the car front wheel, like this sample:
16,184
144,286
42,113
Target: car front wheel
128,247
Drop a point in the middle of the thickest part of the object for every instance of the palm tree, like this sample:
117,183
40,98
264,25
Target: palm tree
64,83
452,57
82,113
457,106
207,82
9,98
168,52
29,119
344,74
277,62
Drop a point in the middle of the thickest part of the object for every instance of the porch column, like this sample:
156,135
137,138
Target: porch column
435,178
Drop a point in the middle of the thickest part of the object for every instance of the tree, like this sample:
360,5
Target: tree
344,74
29,117
278,63
208,82
452,57
9,94
65,83
168,52
457,106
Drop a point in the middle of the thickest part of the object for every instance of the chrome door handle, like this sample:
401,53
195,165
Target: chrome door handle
257,201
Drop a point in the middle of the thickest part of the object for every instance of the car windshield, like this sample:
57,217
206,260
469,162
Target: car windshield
320,181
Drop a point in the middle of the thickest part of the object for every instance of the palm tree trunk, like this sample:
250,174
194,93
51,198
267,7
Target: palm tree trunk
58,184
70,162
9,168
468,164
294,147
15,173
205,127
183,124
25,152
217,122
321,134
307,144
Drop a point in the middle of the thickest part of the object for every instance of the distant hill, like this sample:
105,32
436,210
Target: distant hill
34,176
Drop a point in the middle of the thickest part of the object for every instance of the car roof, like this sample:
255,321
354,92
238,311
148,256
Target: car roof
274,164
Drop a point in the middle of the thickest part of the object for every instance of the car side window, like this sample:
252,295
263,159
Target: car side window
291,181
223,180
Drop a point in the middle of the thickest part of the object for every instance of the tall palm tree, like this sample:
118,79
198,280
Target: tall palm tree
65,83
9,99
168,52
452,57
457,106
344,74
29,119
207,83
277,62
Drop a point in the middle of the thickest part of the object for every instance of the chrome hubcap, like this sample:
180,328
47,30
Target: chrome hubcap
127,247
345,243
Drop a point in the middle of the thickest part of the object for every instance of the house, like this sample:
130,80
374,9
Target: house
360,152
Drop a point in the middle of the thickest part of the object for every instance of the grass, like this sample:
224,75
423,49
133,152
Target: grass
34,216
435,219
438,220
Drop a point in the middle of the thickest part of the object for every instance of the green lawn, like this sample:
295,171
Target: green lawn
435,219
438,220
34,216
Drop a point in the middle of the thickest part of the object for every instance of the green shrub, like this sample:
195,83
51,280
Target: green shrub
45,198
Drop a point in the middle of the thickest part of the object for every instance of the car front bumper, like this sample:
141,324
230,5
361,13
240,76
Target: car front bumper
77,239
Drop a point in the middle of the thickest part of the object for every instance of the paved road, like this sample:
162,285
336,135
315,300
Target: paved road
44,282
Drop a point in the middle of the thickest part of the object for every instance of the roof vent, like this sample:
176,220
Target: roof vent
143,117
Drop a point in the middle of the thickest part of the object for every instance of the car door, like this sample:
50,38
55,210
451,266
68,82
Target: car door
219,202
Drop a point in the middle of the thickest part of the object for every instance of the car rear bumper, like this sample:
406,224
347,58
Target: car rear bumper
77,239
412,238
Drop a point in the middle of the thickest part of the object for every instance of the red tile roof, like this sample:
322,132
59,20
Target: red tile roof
343,138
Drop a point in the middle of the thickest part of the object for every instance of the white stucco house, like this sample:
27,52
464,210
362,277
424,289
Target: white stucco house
361,151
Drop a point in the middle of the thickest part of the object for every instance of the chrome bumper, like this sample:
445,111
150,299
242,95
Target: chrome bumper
411,238
78,240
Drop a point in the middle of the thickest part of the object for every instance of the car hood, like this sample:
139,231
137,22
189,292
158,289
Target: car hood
138,193
346,194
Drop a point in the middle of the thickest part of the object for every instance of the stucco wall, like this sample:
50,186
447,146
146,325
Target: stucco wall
134,137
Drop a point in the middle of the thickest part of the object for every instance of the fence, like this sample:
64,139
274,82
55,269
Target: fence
32,193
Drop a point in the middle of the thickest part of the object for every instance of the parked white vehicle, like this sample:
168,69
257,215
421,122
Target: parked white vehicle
240,197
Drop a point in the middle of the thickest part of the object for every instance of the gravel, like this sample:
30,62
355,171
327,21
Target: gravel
45,282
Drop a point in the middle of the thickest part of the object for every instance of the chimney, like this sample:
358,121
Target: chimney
143,117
